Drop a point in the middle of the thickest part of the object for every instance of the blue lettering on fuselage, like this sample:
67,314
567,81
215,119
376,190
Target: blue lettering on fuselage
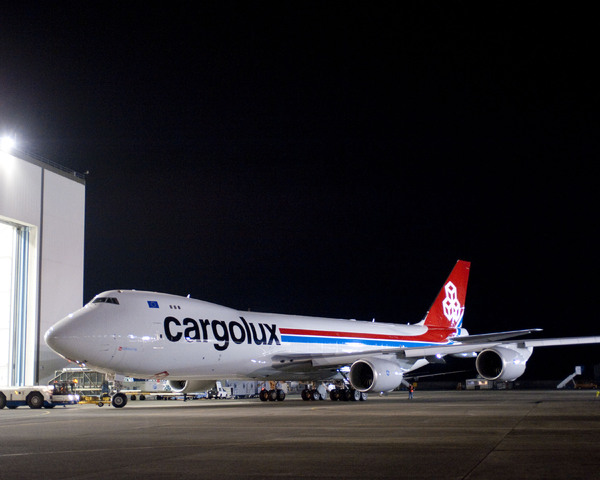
221,332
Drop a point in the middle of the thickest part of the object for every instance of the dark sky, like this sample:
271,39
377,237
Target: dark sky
326,158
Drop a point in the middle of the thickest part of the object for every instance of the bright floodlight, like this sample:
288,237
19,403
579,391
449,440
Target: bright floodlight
7,143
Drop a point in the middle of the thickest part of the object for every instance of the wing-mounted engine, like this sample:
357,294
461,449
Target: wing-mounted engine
502,363
189,386
375,375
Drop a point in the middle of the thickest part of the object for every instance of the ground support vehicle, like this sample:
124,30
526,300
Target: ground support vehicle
118,400
219,391
47,396
99,400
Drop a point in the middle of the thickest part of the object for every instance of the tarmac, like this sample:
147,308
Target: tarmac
471,435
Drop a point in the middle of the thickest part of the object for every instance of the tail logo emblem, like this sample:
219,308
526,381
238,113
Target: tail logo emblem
453,310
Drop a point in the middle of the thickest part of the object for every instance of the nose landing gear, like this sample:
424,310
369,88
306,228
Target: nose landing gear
119,400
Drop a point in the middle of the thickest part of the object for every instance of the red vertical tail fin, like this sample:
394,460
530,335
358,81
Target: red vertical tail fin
449,306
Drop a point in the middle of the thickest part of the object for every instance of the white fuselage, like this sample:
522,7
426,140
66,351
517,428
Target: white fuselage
144,334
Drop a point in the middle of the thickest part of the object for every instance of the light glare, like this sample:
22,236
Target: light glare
7,143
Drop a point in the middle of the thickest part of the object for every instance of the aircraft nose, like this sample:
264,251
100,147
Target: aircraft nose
83,337
63,339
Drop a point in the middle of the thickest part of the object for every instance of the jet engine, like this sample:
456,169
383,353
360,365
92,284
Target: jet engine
189,386
375,375
501,363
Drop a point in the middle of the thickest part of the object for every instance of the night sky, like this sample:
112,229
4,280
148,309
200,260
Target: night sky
326,158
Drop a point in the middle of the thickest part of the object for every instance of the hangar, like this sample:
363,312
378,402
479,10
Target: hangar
42,226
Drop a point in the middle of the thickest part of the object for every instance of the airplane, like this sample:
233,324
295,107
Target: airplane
192,343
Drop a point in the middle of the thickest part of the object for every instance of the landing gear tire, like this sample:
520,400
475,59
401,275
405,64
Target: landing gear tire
263,395
280,395
347,394
35,400
2,400
119,400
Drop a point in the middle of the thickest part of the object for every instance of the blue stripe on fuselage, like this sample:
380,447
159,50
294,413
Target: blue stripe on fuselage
359,341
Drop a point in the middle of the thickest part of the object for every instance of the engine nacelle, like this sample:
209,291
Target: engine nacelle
375,375
189,386
500,363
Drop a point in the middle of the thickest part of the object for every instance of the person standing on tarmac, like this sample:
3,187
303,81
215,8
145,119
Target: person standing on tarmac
411,390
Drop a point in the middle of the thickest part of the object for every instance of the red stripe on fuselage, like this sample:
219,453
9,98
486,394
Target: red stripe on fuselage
432,334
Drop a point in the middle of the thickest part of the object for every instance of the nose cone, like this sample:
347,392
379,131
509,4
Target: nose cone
60,337
74,336
85,337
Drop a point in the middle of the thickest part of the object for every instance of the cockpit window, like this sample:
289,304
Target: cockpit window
112,300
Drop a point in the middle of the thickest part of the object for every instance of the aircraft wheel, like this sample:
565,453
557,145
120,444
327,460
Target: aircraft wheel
280,395
334,395
119,400
363,396
355,395
305,394
2,400
35,400
272,395
315,395
263,395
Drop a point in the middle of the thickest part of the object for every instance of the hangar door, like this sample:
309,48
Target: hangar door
14,244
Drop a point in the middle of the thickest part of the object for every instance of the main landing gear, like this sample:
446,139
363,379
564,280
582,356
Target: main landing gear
272,395
347,394
337,394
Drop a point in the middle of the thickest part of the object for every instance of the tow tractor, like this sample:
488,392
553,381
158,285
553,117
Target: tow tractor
99,400
117,400
106,397
47,396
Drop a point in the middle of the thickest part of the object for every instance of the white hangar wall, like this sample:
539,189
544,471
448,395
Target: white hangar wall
42,227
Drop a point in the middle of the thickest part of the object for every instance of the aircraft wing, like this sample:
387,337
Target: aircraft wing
476,347
474,344
553,342
489,337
